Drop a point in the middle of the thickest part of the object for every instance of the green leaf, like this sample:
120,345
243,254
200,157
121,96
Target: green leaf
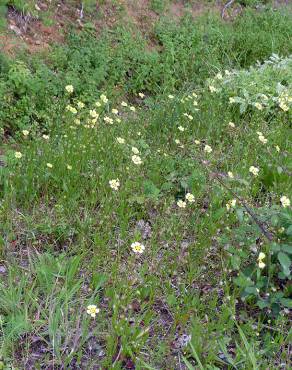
287,302
289,230
150,189
285,262
286,248
275,247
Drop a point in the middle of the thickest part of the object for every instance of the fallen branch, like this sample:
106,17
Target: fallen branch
227,5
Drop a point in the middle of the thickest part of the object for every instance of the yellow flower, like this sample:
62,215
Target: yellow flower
190,197
115,111
208,149
136,159
254,170
92,310
114,184
197,142
124,104
120,140
49,165
261,257
69,167
277,148
195,103
69,89
25,133
137,248
17,155
181,204
133,109
285,201
135,150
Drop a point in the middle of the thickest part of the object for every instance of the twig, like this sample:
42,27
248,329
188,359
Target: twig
260,224
227,5
81,11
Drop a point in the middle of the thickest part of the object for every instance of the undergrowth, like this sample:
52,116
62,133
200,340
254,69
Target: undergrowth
145,198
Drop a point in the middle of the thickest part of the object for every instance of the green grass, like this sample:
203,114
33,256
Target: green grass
66,235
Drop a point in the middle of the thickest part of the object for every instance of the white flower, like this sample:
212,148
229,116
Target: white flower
212,89
230,175
120,140
231,124
181,128
98,104
115,111
71,109
137,248
49,165
93,113
92,310
25,133
69,89
136,159
114,184
219,76
190,197
207,149
133,109
108,120
80,105
181,204
231,100
17,155
103,98
170,96
262,139
177,141
258,106
124,104
141,95
261,257
277,148
231,204
285,201
46,137
197,142
135,150
254,170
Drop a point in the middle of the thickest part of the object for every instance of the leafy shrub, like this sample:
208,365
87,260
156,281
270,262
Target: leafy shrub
266,86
